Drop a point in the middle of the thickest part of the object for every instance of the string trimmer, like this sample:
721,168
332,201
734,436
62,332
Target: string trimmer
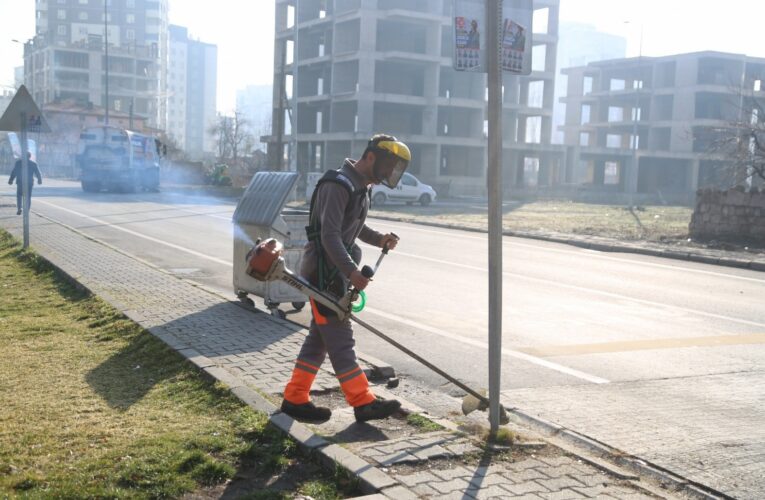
265,263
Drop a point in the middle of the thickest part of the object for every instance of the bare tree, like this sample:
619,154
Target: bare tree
233,137
742,143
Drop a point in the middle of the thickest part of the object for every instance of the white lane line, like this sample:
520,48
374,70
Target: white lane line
591,291
139,235
483,345
591,253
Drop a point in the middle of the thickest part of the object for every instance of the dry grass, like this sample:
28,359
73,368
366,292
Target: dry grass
645,223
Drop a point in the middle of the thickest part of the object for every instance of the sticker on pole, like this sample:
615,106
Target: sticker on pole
470,40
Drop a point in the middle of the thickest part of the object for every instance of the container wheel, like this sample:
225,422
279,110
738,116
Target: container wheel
278,313
298,305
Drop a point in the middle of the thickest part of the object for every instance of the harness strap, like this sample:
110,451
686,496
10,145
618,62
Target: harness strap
327,273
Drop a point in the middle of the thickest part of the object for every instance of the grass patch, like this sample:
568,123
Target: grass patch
653,223
423,423
95,406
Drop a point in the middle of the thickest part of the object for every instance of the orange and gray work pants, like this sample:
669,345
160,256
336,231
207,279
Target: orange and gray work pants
329,336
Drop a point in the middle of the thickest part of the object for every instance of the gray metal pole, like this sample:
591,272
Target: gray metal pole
24,180
106,62
494,186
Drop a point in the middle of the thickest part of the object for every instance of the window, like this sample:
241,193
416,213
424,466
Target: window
586,112
408,180
130,4
84,2
130,34
587,84
130,18
83,16
61,14
61,30
611,173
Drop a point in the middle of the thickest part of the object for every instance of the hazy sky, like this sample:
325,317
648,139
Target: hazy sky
243,31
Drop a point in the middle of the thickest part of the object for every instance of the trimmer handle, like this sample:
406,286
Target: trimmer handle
385,248
367,272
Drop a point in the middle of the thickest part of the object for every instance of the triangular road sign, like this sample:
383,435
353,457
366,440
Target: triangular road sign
22,103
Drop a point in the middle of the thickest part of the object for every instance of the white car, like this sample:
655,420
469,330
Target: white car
409,189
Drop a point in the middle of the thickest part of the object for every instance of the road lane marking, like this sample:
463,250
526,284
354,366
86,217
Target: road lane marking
580,252
547,351
139,235
483,345
577,288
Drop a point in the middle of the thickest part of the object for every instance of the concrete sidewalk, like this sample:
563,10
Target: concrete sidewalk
398,458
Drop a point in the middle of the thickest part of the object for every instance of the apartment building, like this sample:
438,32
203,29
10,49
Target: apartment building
66,58
346,69
192,92
647,127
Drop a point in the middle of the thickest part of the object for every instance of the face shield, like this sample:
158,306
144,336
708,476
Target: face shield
390,166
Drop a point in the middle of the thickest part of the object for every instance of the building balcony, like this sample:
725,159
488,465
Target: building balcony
325,59
314,98
621,125
460,102
398,55
412,15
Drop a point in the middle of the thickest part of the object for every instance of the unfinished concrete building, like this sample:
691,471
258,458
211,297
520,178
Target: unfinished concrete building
346,69
647,128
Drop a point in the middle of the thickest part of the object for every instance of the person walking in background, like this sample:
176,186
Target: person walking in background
32,172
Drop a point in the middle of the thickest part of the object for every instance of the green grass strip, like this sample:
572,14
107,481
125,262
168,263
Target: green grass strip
95,406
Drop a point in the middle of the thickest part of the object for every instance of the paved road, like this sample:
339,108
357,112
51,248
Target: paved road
659,358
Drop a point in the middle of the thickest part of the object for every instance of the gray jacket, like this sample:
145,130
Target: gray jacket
341,225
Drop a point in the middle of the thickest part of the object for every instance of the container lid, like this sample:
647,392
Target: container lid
264,198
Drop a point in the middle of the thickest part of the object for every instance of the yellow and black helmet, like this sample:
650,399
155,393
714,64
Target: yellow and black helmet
395,153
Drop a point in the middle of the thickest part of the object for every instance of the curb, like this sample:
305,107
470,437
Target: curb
638,466
601,246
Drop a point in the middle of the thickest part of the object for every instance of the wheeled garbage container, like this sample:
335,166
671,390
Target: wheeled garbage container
259,215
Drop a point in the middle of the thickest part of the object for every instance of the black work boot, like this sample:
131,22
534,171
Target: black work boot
377,409
307,411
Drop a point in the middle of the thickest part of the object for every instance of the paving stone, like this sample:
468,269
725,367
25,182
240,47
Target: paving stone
426,490
417,478
453,485
559,483
449,474
526,487
493,492
399,493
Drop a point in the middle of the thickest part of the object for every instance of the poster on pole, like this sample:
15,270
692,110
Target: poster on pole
470,36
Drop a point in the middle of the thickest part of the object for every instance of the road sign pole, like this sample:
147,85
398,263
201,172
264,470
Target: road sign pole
24,180
494,186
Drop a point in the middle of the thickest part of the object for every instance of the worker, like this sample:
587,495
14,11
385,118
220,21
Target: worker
32,172
337,218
